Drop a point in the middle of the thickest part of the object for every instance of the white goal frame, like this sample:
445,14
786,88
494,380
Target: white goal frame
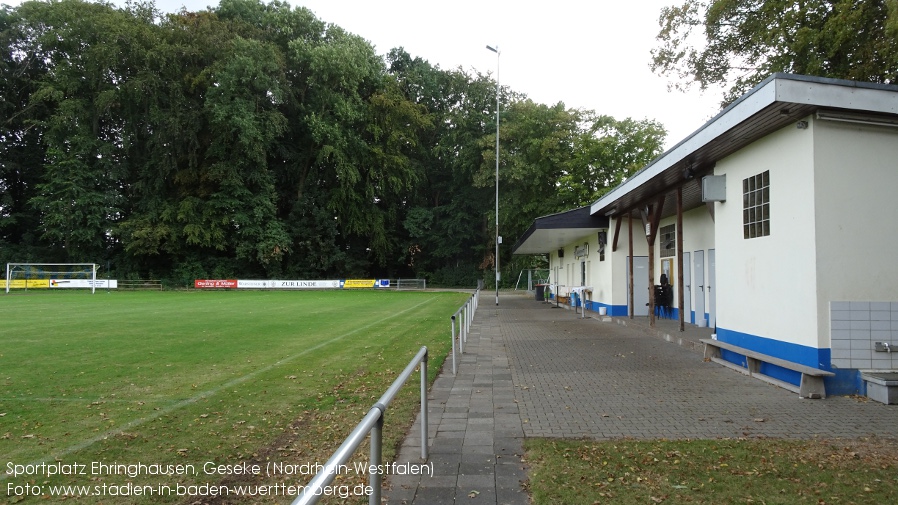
11,269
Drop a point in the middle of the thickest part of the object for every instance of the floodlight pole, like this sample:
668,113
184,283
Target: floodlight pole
498,238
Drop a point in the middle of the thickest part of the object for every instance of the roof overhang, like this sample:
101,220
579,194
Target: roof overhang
549,233
775,103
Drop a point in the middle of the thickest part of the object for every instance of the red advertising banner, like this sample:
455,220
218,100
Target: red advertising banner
215,283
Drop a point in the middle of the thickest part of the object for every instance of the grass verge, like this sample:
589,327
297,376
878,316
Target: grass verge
767,471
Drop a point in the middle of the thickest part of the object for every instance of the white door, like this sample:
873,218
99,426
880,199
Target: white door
640,285
698,284
687,287
712,293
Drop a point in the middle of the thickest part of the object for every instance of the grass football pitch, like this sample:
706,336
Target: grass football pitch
146,389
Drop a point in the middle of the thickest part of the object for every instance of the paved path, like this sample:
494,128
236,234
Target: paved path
531,370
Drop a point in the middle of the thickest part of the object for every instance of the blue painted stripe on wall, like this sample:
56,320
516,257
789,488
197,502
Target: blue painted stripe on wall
618,311
847,381
611,310
805,355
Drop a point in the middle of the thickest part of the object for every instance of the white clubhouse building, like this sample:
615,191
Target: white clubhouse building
776,223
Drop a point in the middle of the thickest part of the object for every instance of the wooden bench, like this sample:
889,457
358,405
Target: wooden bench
811,378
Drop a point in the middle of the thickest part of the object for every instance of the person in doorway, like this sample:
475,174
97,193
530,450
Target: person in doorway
665,297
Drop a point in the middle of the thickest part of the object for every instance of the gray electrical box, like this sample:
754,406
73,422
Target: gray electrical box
714,188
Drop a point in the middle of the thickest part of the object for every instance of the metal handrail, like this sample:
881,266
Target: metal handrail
467,317
372,422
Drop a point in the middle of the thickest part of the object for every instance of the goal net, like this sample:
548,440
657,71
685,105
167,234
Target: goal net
51,276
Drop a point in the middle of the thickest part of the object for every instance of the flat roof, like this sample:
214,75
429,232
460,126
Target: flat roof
773,104
552,232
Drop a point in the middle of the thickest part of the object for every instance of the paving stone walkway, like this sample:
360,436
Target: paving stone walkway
532,370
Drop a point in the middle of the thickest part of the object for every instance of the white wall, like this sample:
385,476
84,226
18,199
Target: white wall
766,286
619,257
857,217
698,235
601,273
568,273
608,278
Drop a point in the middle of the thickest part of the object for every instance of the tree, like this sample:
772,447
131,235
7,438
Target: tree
444,231
21,153
607,151
537,145
744,41
255,140
88,49
553,159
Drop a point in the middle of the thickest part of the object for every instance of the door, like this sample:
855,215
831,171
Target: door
640,285
687,288
712,290
698,283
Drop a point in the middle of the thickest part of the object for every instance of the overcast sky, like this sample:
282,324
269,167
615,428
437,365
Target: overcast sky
590,54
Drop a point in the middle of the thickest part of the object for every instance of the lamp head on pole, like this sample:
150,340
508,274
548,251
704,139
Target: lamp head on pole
493,49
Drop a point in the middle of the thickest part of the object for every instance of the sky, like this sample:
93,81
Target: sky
591,54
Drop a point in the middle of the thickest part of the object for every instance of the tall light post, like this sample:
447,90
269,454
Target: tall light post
498,238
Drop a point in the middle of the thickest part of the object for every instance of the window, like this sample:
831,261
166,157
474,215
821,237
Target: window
668,240
756,206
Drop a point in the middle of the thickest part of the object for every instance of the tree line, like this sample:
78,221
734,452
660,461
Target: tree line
738,43
254,140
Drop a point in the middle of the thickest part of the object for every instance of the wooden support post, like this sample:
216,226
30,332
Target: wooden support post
680,302
654,221
651,243
616,233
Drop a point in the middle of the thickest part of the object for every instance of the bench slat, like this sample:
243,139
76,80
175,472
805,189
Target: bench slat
791,365
811,386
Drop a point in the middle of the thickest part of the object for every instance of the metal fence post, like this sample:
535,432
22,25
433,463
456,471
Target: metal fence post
470,313
375,478
461,334
473,308
424,406
452,334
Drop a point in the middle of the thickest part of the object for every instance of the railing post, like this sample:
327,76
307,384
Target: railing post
461,334
424,406
471,314
467,315
452,334
375,478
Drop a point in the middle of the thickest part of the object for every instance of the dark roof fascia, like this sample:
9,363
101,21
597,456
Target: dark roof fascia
571,219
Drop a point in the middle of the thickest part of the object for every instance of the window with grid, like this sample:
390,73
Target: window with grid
668,240
756,206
